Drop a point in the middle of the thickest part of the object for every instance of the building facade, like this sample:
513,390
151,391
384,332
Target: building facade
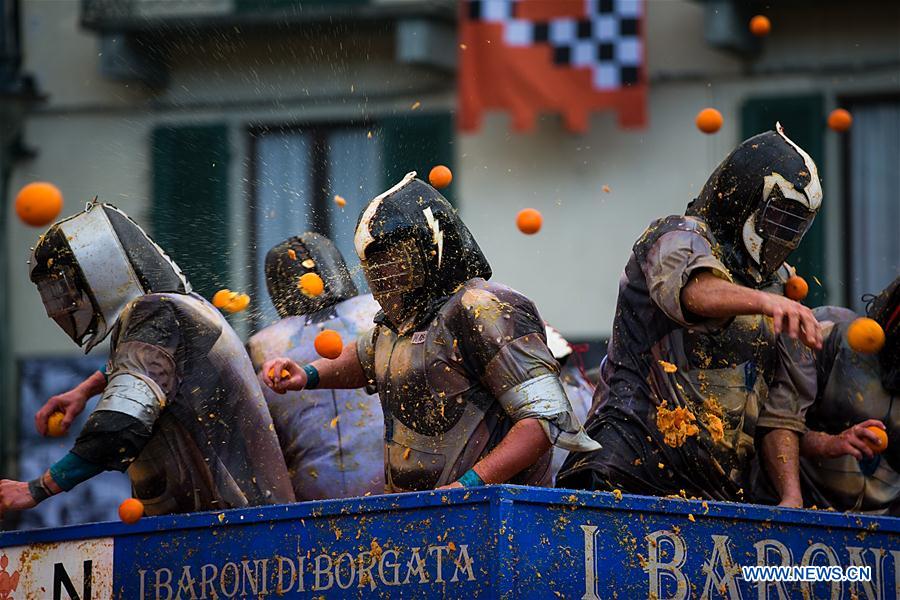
223,126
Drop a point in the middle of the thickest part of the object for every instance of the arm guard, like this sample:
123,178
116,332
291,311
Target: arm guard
122,423
544,398
133,395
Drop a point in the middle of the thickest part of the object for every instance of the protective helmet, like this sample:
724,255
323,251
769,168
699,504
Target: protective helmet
415,251
297,256
88,267
759,203
885,309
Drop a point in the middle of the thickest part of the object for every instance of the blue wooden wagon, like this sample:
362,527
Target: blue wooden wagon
490,542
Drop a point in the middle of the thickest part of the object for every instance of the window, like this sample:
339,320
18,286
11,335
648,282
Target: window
872,179
297,171
190,201
803,120
297,174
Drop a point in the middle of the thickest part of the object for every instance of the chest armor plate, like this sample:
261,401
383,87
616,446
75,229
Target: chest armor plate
748,339
852,394
422,385
728,375
438,420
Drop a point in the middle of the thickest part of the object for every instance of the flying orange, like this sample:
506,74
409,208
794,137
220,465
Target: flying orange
840,120
223,297
238,303
39,203
796,288
865,336
709,120
760,25
311,284
440,176
529,221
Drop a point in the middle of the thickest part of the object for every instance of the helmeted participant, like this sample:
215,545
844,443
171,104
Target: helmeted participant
332,439
469,389
695,371
579,390
854,391
180,408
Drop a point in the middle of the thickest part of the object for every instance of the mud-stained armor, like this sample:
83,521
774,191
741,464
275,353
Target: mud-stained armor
452,389
848,389
182,410
725,380
456,360
213,445
332,439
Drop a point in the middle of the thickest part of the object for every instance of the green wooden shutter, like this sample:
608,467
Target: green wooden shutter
803,120
190,201
418,142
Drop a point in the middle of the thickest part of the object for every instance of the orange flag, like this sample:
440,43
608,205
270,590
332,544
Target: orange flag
567,56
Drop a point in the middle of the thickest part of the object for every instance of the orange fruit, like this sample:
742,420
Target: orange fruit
54,425
709,120
840,119
529,221
311,284
39,203
865,335
329,344
882,439
760,25
440,176
284,373
131,510
796,288
882,443
221,298
238,303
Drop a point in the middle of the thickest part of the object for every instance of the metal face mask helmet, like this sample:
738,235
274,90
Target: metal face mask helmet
415,251
885,309
297,256
759,203
89,266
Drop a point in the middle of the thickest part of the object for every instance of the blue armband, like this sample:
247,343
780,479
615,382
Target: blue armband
312,377
71,470
471,479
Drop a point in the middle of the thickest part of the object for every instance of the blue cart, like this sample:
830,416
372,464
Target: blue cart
490,542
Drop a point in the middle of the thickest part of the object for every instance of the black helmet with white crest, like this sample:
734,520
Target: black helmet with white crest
88,267
415,251
759,203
